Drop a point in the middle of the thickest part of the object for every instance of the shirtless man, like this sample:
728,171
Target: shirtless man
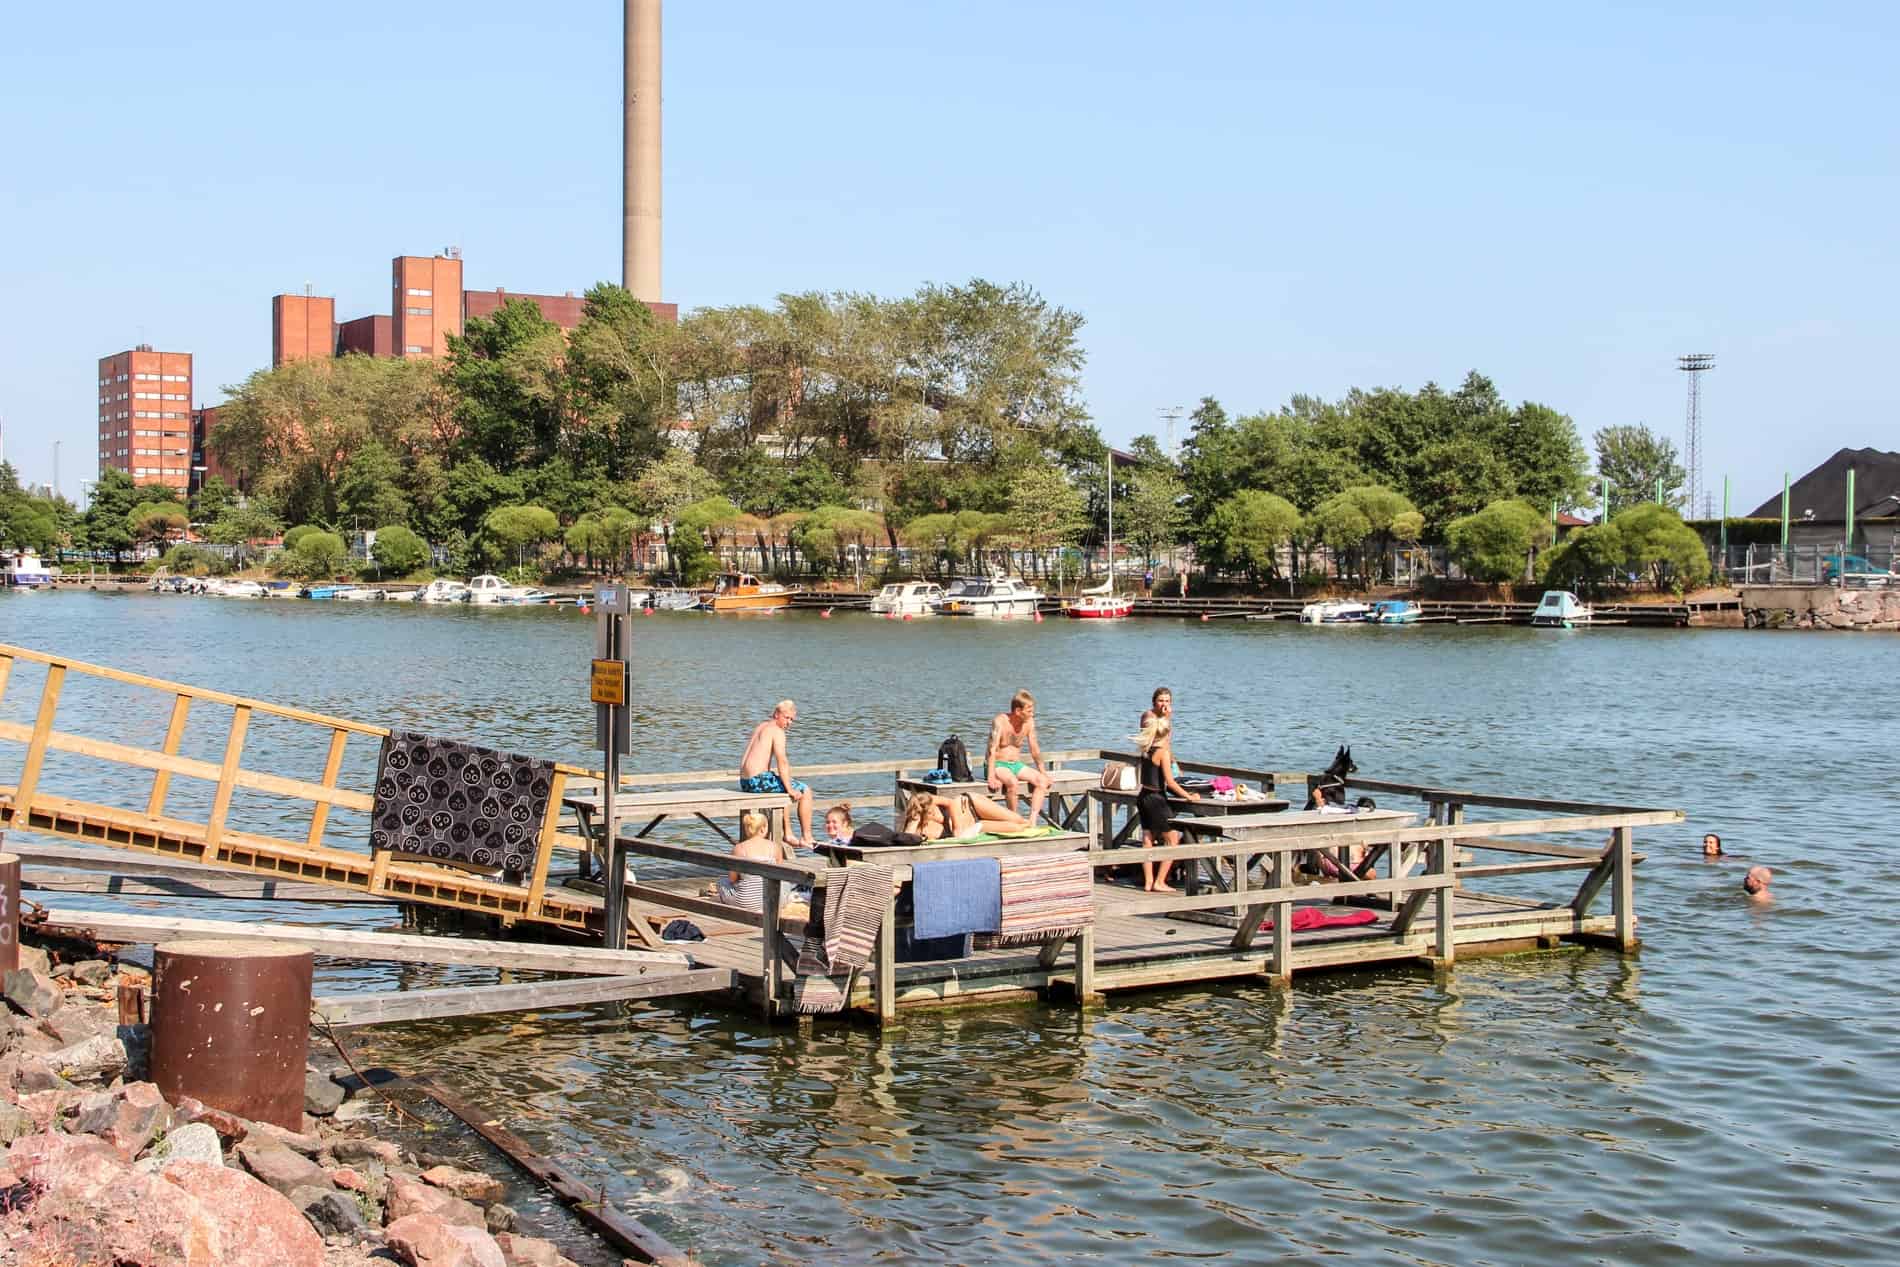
765,750
1007,772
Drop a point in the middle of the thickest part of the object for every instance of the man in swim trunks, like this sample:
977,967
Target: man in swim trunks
766,749
1006,771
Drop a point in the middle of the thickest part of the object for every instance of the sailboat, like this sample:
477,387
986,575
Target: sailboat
1101,602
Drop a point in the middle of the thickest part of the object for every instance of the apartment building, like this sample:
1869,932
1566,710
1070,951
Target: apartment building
302,328
425,304
145,416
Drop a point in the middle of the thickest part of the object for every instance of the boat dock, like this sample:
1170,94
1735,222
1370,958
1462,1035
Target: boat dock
1433,875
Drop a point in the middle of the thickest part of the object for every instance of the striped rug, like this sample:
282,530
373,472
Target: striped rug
845,916
1045,897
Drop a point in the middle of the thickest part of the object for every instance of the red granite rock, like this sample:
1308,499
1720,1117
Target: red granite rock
425,1240
255,1223
407,1197
470,1185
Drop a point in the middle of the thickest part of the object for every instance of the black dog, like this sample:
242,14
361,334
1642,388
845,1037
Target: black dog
1332,781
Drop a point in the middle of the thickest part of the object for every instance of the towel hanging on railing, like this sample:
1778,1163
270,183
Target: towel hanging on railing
445,799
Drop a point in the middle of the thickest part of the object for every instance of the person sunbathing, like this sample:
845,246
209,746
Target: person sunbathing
959,817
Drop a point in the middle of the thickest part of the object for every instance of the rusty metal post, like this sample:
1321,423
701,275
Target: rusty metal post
231,1026
9,911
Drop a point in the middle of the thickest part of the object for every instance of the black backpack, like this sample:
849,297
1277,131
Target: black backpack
954,757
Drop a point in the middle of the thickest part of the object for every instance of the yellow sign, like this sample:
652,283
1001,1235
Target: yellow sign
609,683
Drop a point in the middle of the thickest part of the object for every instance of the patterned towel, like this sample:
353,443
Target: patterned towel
845,917
445,799
1045,897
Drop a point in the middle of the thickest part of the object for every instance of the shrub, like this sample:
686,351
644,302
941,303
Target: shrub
1495,543
399,551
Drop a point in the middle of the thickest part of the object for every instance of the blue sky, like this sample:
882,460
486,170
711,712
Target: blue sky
1246,200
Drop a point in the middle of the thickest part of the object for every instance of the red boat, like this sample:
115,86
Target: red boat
1100,607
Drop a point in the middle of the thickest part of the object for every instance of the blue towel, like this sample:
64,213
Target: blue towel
965,896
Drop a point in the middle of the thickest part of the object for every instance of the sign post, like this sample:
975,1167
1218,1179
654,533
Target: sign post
607,687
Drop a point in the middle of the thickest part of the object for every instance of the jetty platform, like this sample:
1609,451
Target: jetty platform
1432,874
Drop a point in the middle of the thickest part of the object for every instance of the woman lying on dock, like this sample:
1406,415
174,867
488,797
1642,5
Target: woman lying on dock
960,817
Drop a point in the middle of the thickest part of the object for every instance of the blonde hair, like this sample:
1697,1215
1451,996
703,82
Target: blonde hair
918,812
842,810
1155,729
1021,699
753,824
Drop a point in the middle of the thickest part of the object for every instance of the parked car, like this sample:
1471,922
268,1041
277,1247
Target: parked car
1853,567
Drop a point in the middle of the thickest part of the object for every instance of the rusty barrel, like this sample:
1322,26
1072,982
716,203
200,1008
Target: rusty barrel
9,911
231,1026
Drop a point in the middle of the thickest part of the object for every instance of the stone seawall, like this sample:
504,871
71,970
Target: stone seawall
1821,607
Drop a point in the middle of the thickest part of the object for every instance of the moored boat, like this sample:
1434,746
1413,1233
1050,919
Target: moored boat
1560,609
1335,611
1395,611
443,590
490,590
26,572
999,598
744,592
673,600
907,598
1099,607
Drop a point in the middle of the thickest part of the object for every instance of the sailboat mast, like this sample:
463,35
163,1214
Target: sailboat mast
1111,521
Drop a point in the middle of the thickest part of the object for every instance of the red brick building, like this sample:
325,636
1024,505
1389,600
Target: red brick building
425,304
302,328
565,311
145,416
371,336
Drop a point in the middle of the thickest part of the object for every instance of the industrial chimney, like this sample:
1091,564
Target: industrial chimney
640,152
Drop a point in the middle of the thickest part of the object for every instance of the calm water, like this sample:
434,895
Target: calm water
1727,1095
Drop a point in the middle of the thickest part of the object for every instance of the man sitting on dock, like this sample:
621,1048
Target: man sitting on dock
766,749
1006,771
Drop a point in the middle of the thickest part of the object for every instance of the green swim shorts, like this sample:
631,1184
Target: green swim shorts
1014,767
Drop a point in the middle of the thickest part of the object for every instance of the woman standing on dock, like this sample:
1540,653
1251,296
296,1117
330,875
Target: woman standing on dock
1157,780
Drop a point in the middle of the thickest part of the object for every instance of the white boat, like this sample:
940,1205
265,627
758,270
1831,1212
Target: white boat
26,572
443,590
1335,611
357,594
235,589
999,598
674,600
1560,609
400,596
489,589
907,598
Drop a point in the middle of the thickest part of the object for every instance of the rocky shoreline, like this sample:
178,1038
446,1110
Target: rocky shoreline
99,1168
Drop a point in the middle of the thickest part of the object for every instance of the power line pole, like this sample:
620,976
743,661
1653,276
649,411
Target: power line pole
1694,365
1171,414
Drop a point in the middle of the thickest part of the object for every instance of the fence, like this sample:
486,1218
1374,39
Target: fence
1805,565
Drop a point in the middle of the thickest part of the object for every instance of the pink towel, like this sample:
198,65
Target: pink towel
1306,918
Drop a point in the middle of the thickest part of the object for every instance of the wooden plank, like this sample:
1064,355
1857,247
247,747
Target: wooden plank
1281,881
944,851
227,775
544,845
146,758
542,996
768,947
885,982
6,672
1425,792
174,735
712,860
1624,894
339,943
1447,853
214,886
36,741
1528,868
1166,904
332,767
693,905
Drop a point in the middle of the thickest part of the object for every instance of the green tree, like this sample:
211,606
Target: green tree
190,560
669,486
1495,543
1587,560
399,551
1341,525
317,556
240,526
514,529
297,534
156,521
1636,459
828,530
25,521
369,491
1656,541
1046,511
212,499
469,491
1249,527
107,518
1152,516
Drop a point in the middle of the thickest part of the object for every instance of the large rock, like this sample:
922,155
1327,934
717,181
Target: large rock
194,1141
279,1167
470,1185
352,1151
99,1058
89,1198
332,1213
407,1197
15,1122
305,1142
32,992
92,972
22,1071
48,1107
230,1127
255,1224
423,1240
321,1096
76,1022
501,1218
128,1118
35,958
530,1251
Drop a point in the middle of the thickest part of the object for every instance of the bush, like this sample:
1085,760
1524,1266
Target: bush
399,551
188,560
1495,544
317,556
297,534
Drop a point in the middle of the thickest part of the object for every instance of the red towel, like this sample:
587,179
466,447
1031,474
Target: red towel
1310,917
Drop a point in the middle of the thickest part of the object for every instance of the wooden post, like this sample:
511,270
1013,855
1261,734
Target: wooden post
543,845
770,965
332,767
1625,892
1447,900
174,734
1085,967
227,780
886,983
1282,969
36,745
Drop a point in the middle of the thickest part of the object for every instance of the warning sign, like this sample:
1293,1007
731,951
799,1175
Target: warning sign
609,683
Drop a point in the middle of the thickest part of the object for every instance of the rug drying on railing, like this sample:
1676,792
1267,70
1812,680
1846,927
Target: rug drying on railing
442,798
845,916
1044,897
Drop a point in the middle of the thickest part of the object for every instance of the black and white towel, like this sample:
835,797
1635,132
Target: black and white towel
441,798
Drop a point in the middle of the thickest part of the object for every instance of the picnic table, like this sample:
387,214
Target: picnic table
1207,806
1068,806
1246,828
650,809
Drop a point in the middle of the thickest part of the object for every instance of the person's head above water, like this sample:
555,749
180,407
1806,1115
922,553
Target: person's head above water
1712,846
1755,883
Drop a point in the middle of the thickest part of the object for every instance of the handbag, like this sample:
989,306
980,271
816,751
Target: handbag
1119,776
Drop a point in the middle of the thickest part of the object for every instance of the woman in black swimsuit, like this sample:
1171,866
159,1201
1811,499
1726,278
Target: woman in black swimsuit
1157,780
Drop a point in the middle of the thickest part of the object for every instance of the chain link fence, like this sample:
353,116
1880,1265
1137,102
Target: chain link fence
1870,565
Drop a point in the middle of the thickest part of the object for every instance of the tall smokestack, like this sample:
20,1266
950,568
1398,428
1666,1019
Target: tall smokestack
640,152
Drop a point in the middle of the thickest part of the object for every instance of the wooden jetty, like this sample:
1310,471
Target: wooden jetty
1443,872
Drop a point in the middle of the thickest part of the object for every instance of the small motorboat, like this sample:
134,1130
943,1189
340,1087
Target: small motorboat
907,598
1335,611
322,593
744,592
998,598
1560,609
443,590
400,596
490,590
1395,611
26,572
358,594
1099,607
674,601
236,589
